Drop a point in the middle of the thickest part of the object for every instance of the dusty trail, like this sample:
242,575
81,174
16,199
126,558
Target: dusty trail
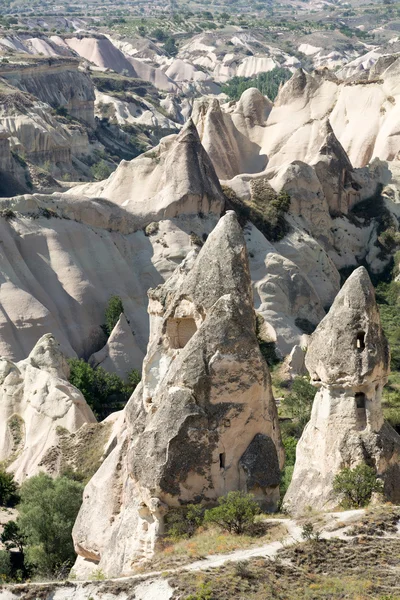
154,585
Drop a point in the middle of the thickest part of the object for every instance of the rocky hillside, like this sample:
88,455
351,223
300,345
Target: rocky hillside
226,249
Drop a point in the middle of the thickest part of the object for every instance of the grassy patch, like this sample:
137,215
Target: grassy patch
261,579
211,540
266,209
82,452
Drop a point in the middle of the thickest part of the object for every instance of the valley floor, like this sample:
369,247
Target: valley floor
355,554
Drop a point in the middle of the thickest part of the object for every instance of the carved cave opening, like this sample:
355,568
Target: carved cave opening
360,343
179,331
360,399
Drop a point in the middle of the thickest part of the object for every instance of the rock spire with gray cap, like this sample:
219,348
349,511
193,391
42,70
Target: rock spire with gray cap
348,360
202,422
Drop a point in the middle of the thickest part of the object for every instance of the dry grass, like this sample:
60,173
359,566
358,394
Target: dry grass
331,570
261,579
208,541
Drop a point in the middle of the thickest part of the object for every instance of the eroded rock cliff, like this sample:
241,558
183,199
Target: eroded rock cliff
203,420
348,360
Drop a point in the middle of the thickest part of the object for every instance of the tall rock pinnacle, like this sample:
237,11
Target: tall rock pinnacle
203,421
348,359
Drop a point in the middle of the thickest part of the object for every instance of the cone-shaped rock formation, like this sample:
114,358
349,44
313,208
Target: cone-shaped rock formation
35,399
348,359
202,422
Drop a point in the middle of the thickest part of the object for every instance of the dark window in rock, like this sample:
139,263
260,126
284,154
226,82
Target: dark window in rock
361,411
179,331
360,340
360,400
222,460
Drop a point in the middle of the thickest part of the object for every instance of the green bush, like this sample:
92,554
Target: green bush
8,489
113,311
268,83
308,533
101,170
170,46
104,392
266,210
355,486
235,512
183,522
290,444
298,404
5,566
48,510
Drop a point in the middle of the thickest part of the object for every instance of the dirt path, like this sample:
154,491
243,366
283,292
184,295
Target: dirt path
154,584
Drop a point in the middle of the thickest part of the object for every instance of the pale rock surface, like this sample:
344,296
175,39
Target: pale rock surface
35,399
233,141
101,51
57,82
348,360
362,115
121,354
175,178
137,111
203,420
62,258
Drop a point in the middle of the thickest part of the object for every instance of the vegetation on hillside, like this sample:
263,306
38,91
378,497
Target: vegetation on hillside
268,83
266,209
39,542
104,392
355,486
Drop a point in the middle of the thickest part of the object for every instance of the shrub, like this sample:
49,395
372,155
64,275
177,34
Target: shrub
104,392
12,537
151,229
235,512
266,210
101,170
308,533
268,83
356,486
290,444
61,111
5,566
183,522
113,311
170,46
286,478
48,510
298,404
8,489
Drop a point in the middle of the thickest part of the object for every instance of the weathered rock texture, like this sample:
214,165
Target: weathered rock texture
203,421
36,399
175,178
121,353
348,359
57,82
233,140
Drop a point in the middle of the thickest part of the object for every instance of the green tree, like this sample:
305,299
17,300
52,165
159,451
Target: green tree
355,486
101,170
235,512
183,522
12,538
8,489
104,392
160,34
170,46
5,566
268,83
48,510
298,404
113,311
